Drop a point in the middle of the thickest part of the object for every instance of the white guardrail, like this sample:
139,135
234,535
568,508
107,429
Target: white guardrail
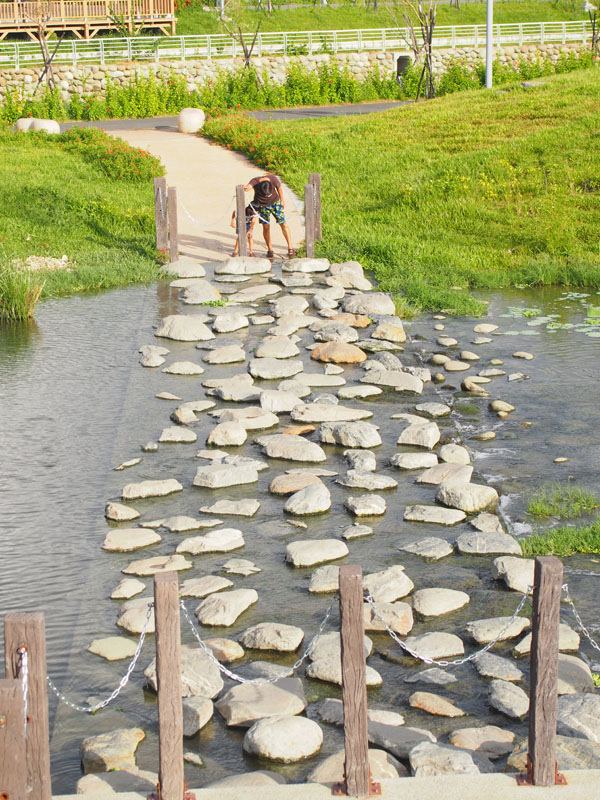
181,48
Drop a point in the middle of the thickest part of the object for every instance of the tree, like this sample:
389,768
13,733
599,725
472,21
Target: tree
420,23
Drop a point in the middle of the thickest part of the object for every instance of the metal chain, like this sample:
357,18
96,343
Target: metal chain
256,681
122,683
584,630
205,225
24,670
442,663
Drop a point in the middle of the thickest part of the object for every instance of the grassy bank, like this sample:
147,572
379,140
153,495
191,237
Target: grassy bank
563,542
86,196
474,190
192,19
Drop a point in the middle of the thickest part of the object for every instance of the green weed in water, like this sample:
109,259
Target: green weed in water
560,500
19,292
564,541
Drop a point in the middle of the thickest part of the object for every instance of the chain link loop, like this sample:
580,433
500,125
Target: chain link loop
442,663
256,681
122,683
24,670
582,627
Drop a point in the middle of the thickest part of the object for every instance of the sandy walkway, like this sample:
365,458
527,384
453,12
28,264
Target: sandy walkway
206,176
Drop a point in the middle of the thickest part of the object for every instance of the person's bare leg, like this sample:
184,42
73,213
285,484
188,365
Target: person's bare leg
286,235
267,237
250,244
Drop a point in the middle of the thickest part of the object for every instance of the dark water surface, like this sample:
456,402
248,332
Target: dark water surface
74,403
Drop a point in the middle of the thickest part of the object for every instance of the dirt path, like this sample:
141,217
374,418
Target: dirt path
206,176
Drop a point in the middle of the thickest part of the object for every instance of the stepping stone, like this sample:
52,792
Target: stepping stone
413,460
197,712
517,573
329,669
314,551
236,508
360,392
435,602
138,491
284,739
454,454
357,479
336,332
240,566
134,613
579,716
399,740
177,435
491,372
428,759
456,366
243,265
265,669
229,354
152,356
434,704
371,304
436,645
331,710
354,320
274,368
329,644
388,585
316,471
574,675
120,513
365,505
243,705
350,434
478,543
326,412
225,650
218,541
126,588
278,402
433,409
150,566
390,332
227,434
251,294
313,499
224,608
379,346
508,699
435,675
126,539
433,514
483,631
446,341
202,587
485,327
487,523
568,639
289,484
426,435
382,766
276,347
219,476
184,328
446,472
305,265
319,379
400,381
259,777
113,648
199,292
489,665
111,751
200,676
523,354
469,497
185,267
130,779
467,355
397,616
429,547
489,740
338,353
324,579
361,460
180,524
292,448
272,636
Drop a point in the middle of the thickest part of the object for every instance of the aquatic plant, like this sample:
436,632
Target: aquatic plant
561,500
19,293
563,541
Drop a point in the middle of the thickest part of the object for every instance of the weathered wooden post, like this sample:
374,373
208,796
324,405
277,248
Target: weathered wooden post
168,683
357,779
309,220
13,768
27,633
160,214
315,179
240,220
542,768
173,227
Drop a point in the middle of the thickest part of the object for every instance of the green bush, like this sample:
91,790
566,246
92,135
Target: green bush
19,293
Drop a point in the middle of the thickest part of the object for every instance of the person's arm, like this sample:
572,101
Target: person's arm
280,193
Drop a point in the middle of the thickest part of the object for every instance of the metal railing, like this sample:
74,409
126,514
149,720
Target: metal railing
182,48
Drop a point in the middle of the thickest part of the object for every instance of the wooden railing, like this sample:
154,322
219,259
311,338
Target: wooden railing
17,11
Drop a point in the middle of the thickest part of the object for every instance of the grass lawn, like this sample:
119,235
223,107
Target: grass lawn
56,198
474,190
192,19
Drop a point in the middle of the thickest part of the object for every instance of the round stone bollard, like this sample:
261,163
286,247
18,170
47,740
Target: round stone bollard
190,120
48,125
24,123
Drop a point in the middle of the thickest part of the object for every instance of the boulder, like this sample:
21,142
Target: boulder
324,579
236,508
228,354
272,636
200,676
328,412
371,304
382,766
468,497
284,738
129,779
200,292
232,321
305,265
489,740
509,699
454,454
278,402
313,499
225,607
336,332
190,120
177,435
579,716
571,754
113,648
357,479
350,434
127,588
227,434
517,573
117,512
329,669
425,435
111,751
197,711
574,675
290,484
446,472
568,639
366,505
184,328
242,705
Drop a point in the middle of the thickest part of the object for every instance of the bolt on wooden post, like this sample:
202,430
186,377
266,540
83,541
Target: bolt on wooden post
240,220
309,220
315,180
160,214
13,768
173,225
543,698
168,686
28,630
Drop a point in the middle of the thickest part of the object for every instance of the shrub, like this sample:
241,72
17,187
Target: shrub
19,293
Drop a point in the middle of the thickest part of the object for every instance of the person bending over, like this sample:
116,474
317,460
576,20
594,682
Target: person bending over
268,201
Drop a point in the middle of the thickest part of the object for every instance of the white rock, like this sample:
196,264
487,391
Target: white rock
436,645
329,669
358,479
426,435
243,705
190,120
272,636
278,402
478,542
433,514
47,125
272,368
177,435
388,585
306,265
202,587
568,639
352,392
485,327
199,292
222,540
225,607
454,454
197,711
113,648
468,497
579,716
184,328
314,551
126,588
232,321
326,412
509,699
397,616
312,499
517,573
120,513
137,491
227,434
276,347
150,566
434,602
350,434
125,539
428,759
200,675
243,265
185,267
292,448
400,381
369,304
433,409
483,631
183,368
218,476
396,739
286,739
382,766
236,508
111,751
324,579
365,505
429,547
446,472
152,356
413,460
229,354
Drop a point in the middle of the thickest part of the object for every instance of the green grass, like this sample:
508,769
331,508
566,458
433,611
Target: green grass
61,196
19,292
563,542
192,20
475,190
560,500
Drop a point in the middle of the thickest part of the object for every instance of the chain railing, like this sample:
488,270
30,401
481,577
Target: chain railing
575,613
181,48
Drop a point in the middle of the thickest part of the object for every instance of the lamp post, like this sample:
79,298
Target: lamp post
489,35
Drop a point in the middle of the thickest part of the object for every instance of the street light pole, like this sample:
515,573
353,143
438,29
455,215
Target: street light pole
489,36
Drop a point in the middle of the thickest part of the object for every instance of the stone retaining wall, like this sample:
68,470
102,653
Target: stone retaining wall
92,78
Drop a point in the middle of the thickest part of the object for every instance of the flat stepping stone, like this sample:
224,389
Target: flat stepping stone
202,587
200,676
314,551
485,327
574,675
313,379
177,435
338,353
274,368
312,499
184,328
111,751
138,491
277,401
433,675
446,472
429,547
222,540
483,631
388,585
454,454
126,539
243,705
126,588
476,542
435,602
150,566
331,711
456,366
413,460
292,448
265,669
391,332
361,460
523,354
491,372
399,740
183,368
434,515
284,739
350,434
425,435
568,639
517,573
468,355
371,304
259,777
382,766
329,669
434,704
197,712
428,759
229,354
134,613
397,616
436,645
379,346
469,497
272,636
433,409
276,347
236,508
251,294
185,267
219,476
152,355
289,484
360,392
324,579
240,566
358,479
224,608
117,512
481,340
489,740
113,648
317,471
305,265
130,779
446,341
489,665
199,292
243,265
326,412
508,699
365,505
579,716
487,523
400,381
335,332
181,524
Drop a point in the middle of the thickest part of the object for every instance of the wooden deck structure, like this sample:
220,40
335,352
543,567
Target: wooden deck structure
85,18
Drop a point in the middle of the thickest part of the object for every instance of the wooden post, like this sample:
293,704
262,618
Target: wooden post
309,221
168,680
13,770
354,683
240,220
315,179
543,698
29,630
173,229
160,214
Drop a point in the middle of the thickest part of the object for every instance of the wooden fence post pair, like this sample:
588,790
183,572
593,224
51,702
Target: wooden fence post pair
165,218
312,213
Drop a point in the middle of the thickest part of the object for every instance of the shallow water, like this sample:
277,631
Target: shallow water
74,403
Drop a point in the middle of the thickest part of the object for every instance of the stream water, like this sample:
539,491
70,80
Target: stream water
74,403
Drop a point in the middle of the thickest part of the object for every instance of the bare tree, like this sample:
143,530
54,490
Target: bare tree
234,29
40,17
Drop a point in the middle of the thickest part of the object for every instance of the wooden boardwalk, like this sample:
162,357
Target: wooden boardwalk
85,18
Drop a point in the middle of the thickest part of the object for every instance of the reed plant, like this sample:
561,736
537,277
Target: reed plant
20,291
